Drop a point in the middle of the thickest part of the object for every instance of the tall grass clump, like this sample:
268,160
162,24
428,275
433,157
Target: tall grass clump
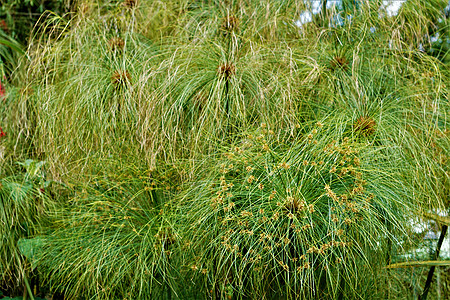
312,218
369,70
114,238
113,85
99,104
24,205
217,149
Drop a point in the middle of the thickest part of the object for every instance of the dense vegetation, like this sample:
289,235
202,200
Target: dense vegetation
215,149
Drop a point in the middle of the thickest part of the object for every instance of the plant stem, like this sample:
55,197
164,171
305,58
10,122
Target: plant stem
28,288
431,272
324,11
227,106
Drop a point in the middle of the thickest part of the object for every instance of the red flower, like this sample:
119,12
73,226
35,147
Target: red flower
4,26
2,90
2,134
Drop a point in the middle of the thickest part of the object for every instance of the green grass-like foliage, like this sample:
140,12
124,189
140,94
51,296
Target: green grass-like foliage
24,204
214,149
308,219
114,234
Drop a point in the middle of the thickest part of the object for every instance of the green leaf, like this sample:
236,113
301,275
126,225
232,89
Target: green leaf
32,167
30,247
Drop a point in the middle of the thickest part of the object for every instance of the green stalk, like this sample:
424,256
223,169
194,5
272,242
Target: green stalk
431,272
227,104
324,12
28,288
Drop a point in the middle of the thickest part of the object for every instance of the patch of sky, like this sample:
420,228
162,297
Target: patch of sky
313,8
392,7
434,38
389,8
430,232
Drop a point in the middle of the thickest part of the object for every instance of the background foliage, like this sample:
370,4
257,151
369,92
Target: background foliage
217,149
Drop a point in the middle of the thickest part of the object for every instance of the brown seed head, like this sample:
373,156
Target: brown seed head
116,44
339,62
293,204
120,78
227,70
130,3
229,24
365,126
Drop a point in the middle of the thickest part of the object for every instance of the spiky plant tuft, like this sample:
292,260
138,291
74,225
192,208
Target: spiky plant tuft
121,78
125,211
293,209
365,126
229,24
130,3
308,213
227,70
339,62
116,44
